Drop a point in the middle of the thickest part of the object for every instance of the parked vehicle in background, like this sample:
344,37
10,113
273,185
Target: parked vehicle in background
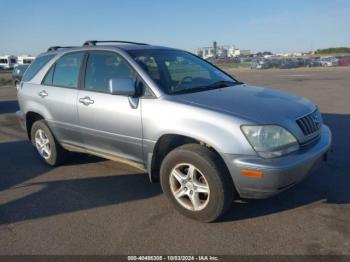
328,61
25,60
7,62
260,64
344,61
288,63
274,62
245,59
313,62
301,61
206,136
17,74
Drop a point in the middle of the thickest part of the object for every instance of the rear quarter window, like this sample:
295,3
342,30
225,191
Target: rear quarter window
36,66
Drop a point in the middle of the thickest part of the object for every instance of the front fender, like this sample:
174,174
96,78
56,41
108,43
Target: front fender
219,130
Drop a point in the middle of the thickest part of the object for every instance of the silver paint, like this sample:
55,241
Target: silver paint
129,128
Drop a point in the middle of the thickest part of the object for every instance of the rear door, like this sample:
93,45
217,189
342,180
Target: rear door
59,96
109,124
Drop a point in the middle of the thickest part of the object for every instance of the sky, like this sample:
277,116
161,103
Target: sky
31,26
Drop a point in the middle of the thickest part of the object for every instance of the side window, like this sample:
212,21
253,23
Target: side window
35,67
49,76
150,66
66,70
103,66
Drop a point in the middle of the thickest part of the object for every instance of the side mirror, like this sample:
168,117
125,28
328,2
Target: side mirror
122,86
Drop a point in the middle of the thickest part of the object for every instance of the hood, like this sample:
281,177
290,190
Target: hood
257,104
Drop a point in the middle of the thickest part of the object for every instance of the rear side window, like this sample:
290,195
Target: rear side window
35,67
65,72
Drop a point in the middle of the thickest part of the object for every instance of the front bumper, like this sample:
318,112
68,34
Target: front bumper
278,173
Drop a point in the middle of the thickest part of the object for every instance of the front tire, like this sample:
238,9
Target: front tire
196,181
50,151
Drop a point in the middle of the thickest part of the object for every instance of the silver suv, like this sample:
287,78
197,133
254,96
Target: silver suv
207,137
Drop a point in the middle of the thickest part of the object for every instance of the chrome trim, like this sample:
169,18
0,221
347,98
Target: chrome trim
116,158
310,124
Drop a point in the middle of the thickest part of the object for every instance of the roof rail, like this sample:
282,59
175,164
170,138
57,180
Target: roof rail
54,48
94,42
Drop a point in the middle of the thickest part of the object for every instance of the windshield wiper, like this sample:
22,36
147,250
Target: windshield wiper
215,85
220,84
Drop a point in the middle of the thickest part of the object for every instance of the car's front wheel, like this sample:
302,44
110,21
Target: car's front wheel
47,146
196,182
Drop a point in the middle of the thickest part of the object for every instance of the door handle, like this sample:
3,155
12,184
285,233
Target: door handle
86,101
43,93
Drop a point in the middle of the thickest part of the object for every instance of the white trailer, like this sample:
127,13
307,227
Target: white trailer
7,61
25,59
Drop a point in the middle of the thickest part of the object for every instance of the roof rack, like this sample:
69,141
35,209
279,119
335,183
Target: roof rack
54,48
94,42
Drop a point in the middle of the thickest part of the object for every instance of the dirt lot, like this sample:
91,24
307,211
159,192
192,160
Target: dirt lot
5,78
94,206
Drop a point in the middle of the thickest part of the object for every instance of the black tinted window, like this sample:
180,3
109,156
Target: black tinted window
27,61
103,66
35,67
66,72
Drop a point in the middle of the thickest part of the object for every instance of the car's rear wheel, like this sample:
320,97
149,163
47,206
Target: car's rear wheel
196,182
50,151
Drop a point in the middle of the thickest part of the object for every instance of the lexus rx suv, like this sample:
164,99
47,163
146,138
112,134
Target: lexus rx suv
207,137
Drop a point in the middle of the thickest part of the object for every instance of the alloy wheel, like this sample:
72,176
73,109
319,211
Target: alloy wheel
42,144
189,187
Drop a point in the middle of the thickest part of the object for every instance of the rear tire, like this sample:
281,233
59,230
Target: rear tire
210,192
50,151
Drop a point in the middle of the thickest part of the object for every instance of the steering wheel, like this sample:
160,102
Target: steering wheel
189,78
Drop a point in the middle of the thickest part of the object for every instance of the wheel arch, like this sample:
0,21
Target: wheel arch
31,118
167,143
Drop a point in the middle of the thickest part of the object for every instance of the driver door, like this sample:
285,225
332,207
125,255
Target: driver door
109,124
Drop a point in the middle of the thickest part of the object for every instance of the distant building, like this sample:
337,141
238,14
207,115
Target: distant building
220,52
234,52
282,54
211,52
290,54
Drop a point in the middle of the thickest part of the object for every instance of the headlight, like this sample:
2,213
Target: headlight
270,141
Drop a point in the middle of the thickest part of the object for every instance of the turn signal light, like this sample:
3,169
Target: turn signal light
252,173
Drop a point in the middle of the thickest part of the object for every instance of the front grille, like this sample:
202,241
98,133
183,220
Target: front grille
310,123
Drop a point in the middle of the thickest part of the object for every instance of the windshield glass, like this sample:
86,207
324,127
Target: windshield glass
178,72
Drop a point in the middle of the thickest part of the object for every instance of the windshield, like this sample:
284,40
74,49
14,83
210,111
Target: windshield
178,72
